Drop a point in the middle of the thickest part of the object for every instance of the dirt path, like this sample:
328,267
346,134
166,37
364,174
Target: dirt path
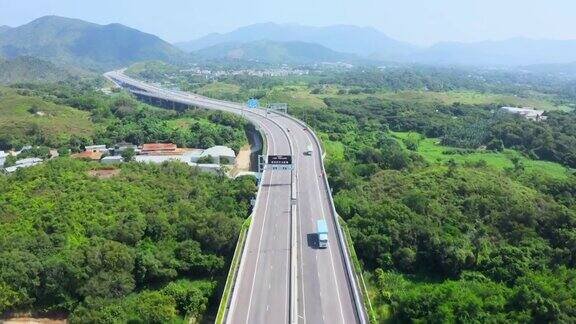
242,160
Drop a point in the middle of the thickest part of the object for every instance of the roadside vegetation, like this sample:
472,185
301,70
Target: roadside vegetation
149,244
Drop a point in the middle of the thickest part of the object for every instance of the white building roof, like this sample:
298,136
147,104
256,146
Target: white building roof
28,161
218,151
19,166
524,110
3,154
112,158
95,147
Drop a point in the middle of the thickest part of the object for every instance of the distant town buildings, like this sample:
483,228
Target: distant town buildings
526,112
272,72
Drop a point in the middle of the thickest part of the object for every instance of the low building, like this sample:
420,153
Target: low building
219,154
526,112
116,159
89,155
96,148
23,163
180,155
160,149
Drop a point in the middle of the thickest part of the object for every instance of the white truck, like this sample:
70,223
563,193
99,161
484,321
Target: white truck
322,233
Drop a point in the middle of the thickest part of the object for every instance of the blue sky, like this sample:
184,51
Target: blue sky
417,21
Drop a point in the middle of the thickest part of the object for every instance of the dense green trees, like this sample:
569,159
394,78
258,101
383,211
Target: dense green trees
110,250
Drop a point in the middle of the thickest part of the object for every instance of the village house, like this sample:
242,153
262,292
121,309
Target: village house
160,149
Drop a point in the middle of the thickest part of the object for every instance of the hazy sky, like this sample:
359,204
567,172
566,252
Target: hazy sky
417,21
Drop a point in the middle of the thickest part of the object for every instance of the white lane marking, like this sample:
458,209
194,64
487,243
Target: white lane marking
329,248
261,234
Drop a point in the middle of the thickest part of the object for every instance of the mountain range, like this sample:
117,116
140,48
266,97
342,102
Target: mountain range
364,41
289,52
89,45
511,52
370,43
72,42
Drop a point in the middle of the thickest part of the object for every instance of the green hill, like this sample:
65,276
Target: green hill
73,41
25,118
31,69
272,52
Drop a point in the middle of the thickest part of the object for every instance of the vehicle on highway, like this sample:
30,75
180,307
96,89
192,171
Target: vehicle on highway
309,150
322,231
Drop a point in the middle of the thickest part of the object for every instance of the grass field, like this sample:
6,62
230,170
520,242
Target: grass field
474,98
535,100
297,96
21,115
433,152
219,90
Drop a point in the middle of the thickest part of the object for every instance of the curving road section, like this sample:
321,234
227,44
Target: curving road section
283,277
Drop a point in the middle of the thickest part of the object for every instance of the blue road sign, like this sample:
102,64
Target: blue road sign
253,103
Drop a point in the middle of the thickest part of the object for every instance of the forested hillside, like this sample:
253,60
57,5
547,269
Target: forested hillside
145,245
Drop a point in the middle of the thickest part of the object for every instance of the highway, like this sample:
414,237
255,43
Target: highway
274,286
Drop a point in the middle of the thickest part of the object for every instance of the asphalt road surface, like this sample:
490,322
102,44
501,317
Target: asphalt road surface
262,291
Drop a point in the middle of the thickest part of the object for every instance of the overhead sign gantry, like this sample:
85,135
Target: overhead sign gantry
275,162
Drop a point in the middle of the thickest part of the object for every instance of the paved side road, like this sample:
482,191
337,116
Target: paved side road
262,290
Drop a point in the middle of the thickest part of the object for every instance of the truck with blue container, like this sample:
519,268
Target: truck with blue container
322,231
